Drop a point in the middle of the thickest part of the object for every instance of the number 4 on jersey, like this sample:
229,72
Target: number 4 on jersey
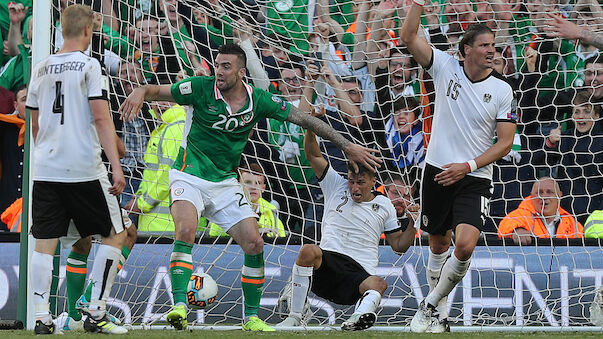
57,106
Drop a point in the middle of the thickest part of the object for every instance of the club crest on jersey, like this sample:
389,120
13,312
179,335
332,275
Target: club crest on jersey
178,191
375,207
246,118
425,220
487,97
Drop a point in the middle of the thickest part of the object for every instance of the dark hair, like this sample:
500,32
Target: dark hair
584,97
408,103
234,49
472,32
352,78
19,89
405,53
595,59
278,40
361,170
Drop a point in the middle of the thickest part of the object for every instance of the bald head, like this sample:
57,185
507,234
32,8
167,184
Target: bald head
545,196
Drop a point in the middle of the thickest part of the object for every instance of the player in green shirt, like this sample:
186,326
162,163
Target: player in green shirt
203,181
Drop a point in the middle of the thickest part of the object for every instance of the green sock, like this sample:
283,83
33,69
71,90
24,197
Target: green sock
252,282
125,252
75,276
181,268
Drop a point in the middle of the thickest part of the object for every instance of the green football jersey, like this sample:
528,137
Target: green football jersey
214,137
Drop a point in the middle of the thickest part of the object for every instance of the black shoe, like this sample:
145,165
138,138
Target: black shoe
42,328
102,325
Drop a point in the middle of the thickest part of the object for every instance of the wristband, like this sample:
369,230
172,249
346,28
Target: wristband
419,2
472,165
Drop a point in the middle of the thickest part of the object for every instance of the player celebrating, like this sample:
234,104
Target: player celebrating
70,115
345,263
202,180
472,102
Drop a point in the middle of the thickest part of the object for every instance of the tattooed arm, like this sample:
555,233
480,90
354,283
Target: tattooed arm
568,30
356,153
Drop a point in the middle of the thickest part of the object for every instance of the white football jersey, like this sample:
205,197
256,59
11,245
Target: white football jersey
466,113
352,228
67,148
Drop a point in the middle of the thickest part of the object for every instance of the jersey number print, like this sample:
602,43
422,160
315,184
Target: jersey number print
57,106
453,89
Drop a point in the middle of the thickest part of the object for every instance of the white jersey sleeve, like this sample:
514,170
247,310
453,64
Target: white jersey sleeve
331,183
391,222
97,81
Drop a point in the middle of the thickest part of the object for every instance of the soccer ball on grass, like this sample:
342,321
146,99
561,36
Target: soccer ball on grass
202,290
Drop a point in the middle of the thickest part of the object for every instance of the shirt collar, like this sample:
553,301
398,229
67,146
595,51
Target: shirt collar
218,96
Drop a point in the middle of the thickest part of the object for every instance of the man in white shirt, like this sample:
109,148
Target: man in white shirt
472,103
68,99
344,265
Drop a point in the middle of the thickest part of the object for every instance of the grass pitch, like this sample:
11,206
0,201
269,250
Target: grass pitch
236,334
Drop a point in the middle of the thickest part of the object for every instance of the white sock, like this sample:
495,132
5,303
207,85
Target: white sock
369,302
434,268
41,277
103,274
301,284
453,271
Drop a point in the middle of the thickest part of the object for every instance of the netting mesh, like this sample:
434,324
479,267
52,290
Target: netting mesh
367,88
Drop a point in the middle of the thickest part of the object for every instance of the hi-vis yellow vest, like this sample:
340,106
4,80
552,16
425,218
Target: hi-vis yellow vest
268,223
154,192
593,228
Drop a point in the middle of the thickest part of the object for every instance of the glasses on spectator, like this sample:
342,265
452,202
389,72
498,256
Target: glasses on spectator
294,80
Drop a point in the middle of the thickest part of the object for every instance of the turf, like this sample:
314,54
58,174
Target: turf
151,334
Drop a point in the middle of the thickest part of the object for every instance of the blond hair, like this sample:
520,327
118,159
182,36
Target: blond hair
75,19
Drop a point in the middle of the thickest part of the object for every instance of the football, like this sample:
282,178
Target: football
202,290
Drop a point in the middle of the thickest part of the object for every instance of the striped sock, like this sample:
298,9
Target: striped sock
252,282
75,280
125,253
181,268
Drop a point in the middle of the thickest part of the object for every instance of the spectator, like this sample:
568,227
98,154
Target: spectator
593,228
579,152
404,135
5,21
293,20
155,52
12,136
288,139
593,78
401,195
133,133
254,184
539,215
15,73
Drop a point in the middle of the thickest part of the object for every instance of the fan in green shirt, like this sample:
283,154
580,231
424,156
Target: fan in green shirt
224,111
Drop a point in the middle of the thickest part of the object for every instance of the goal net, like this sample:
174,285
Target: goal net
369,89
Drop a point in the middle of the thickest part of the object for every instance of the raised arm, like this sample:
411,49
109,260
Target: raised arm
317,161
418,47
568,30
356,153
133,103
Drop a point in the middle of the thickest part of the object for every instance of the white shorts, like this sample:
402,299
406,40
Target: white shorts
223,203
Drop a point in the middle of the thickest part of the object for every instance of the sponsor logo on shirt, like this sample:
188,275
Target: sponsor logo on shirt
185,88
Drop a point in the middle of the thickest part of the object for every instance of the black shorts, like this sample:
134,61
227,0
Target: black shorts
89,204
464,202
338,278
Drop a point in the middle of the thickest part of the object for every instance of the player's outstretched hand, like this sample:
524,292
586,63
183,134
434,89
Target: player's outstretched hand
119,182
364,156
133,104
451,174
562,28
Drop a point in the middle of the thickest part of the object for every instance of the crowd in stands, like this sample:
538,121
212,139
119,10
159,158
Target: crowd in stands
343,61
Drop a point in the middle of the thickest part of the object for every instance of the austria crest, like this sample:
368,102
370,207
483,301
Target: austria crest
375,207
487,97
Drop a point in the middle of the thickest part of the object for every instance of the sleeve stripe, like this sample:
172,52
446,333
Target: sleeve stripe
102,97
506,120
393,231
431,60
322,176
29,107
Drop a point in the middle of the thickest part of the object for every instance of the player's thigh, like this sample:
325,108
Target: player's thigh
228,206
338,279
373,282
94,210
186,219
439,243
436,203
246,234
50,212
187,204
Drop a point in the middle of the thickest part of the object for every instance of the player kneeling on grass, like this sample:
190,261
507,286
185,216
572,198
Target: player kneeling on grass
344,264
